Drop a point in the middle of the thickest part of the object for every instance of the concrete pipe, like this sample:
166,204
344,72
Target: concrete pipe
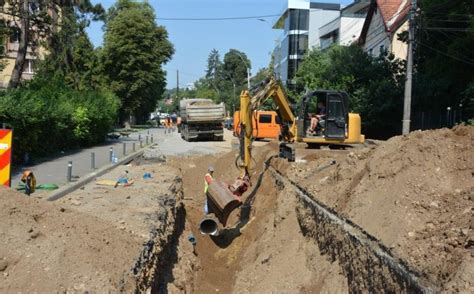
209,225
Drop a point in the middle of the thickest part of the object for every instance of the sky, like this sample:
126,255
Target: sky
193,40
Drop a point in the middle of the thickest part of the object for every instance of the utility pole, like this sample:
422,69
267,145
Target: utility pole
177,84
408,82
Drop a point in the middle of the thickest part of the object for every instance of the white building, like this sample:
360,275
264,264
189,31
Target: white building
346,29
385,20
300,22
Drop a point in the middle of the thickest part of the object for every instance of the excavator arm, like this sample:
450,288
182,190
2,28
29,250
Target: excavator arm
223,198
251,101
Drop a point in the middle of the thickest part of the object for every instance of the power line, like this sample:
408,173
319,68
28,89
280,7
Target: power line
446,35
445,54
466,30
448,20
218,18
448,14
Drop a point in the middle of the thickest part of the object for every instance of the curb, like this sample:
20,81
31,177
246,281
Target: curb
63,191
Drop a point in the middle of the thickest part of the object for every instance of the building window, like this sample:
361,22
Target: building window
370,51
299,19
382,49
298,44
29,66
293,65
15,35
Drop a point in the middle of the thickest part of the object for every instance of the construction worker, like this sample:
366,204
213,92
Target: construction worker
207,181
28,178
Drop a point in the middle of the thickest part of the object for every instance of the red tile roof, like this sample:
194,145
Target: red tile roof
393,11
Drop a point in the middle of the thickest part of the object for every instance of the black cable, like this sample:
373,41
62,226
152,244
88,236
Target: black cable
466,30
218,18
445,54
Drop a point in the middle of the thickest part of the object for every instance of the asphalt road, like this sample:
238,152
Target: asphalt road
54,170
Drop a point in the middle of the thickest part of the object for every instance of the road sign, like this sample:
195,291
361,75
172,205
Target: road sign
5,156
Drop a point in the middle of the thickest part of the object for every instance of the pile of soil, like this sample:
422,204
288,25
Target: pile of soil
414,193
47,248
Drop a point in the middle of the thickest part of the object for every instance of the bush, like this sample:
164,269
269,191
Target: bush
50,117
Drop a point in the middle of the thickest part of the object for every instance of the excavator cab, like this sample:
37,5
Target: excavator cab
335,127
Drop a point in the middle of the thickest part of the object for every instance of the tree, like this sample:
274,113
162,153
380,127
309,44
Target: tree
34,21
375,85
214,65
135,49
214,70
444,62
235,66
71,54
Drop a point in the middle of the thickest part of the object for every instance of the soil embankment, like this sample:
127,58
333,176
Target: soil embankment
412,193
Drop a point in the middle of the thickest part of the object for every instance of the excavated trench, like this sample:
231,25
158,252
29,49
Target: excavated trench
367,263
168,263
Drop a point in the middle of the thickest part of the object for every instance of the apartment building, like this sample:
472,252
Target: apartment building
300,22
12,42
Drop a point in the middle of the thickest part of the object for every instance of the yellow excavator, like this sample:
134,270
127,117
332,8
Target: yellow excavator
341,127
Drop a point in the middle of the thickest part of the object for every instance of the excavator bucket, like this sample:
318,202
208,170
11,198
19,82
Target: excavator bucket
222,201
287,151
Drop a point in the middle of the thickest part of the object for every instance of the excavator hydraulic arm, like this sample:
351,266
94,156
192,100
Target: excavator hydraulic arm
223,198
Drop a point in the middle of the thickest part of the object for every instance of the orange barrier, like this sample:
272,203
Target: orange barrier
5,156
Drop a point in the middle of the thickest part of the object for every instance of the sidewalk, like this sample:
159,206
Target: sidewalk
54,171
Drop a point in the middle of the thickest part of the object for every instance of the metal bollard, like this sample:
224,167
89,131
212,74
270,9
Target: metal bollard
147,132
69,171
92,160
133,146
151,138
146,140
141,144
111,154
139,137
124,149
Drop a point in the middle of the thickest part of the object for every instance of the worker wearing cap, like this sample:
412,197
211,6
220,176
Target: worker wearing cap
207,181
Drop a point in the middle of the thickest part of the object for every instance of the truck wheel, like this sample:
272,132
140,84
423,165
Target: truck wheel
186,135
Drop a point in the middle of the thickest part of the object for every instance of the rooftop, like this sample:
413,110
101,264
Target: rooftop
303,4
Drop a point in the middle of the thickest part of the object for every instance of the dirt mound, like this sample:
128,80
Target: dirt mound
414,193
47,248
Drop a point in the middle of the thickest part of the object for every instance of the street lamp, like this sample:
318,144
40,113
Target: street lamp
248,68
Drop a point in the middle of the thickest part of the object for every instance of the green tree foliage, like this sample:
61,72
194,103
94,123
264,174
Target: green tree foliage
63,106
375,85
214,66
71,54
135,49
444,60
50,117
35,21
235,66
224,81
